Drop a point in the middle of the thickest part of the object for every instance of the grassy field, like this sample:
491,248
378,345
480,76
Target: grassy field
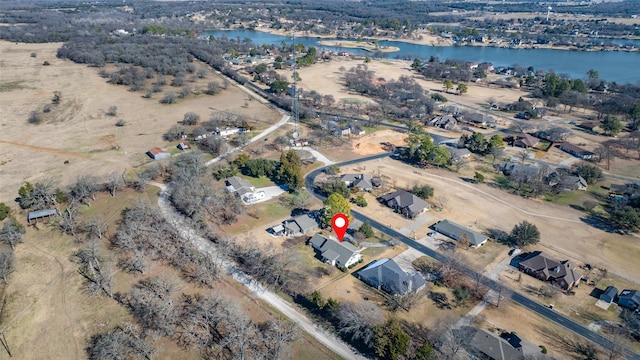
257,216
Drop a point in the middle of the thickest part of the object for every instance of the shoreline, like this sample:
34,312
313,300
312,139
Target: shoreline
434,40
362,45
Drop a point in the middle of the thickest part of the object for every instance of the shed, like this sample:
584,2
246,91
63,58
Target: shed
35,215
609,294
158,153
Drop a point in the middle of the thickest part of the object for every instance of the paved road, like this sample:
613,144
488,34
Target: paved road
516,297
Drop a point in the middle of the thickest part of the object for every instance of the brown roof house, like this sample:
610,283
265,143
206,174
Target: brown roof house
577,151
525,140
405,203
543,267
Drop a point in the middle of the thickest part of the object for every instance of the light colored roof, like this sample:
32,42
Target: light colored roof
387,274
301,223
455,231
41,213
329,247
238,183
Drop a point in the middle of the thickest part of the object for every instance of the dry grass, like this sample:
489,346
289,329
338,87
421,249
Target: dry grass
78,129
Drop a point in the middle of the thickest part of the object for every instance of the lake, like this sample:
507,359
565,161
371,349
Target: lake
619,66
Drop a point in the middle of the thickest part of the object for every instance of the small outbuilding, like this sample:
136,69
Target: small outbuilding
609,294
40,214
158,153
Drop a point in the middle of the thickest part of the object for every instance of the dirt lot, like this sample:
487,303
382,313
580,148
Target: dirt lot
482,207
78,129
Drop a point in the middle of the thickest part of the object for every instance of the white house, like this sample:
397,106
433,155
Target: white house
341,254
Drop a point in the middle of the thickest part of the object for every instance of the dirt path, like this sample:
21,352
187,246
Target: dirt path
208,248
58,152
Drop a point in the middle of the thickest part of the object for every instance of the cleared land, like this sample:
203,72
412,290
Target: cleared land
78,129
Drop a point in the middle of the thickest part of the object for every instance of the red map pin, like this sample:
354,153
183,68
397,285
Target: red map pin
340,223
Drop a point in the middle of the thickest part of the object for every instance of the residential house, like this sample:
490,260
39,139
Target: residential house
243,189
477,119
446,121
624,193
456,232
405,203
609,294
158,153
341,254
40,214
357,130
545,268
589,125
483,344
566,182
362,182
577,151
525,140
629,299
456,152
228,131
300,225
386,274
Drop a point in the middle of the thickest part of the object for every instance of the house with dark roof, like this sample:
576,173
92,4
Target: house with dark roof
386,275
577,151
362,182
589,125
629,299
609,294
545,268
158,153
405,203
562,181
486,345
456,232
446,121
525,140
300,225
40,214
341,254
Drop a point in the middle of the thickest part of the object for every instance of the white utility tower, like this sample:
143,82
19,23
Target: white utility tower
548,12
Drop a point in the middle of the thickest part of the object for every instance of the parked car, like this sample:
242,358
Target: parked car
432,234
514,252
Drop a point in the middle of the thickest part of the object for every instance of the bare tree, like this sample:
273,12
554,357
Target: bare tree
96,268
190,118
84,189
359,320
276,336
12,233
151,303
125,341
213,88
6,262
114,183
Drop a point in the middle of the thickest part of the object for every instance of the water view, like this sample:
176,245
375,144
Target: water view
618,66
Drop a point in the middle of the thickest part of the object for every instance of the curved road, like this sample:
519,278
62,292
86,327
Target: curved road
516,297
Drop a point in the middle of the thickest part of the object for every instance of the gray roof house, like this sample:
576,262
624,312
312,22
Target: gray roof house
567,182
456,231
405,203
385,274
239,186
35,215
486,345
300,225
446,121
609,294
341,254
629,299
360,181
